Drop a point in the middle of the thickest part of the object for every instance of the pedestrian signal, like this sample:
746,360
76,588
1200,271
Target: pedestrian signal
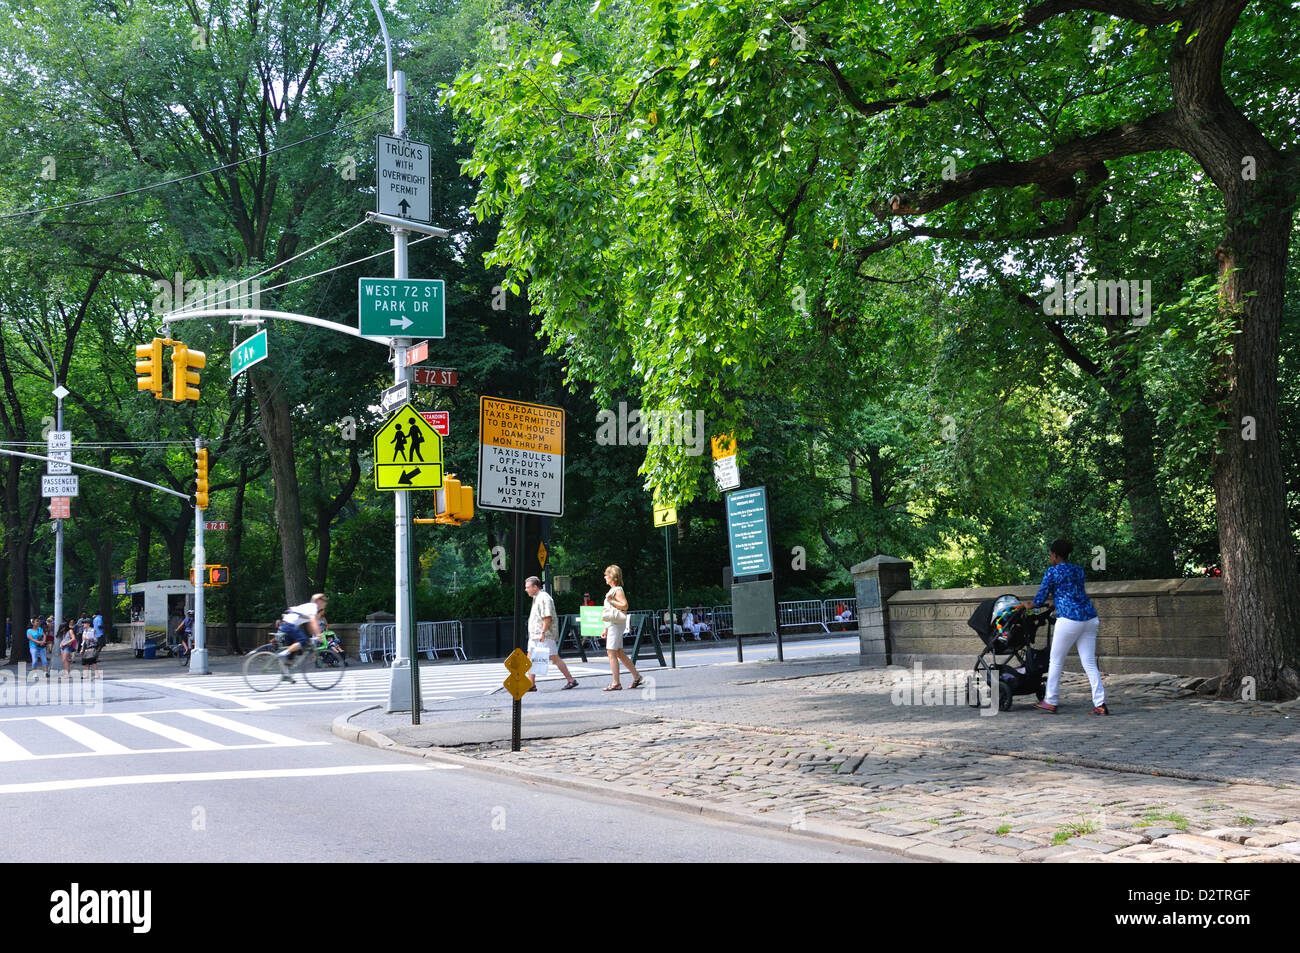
201,479
218,575
148,367
186,364
454,503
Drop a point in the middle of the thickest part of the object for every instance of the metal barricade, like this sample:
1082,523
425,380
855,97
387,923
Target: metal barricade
446,636
377,639
424,639
833,607
802,612
720,620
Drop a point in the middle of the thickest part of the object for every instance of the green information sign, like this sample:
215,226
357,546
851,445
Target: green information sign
402,307
247,353
747,531
590,622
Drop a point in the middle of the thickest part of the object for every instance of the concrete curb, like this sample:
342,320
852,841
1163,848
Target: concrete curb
820,830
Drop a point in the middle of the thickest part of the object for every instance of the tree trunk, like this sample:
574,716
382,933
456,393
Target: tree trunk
1260,579
277,433
142,543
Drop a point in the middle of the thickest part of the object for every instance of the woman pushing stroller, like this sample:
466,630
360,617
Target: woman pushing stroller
1076,624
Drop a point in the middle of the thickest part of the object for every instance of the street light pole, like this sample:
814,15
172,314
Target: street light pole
199,650
59,393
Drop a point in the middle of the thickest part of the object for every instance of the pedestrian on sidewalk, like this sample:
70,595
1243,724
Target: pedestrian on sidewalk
36,646
543,631
1076,625
92,643
615,616
67,647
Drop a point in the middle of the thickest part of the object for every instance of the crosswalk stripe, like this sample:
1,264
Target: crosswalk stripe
260,733
170,733
83,735
70,784
11,750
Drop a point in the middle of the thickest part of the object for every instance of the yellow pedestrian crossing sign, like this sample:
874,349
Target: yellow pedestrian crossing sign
408,453
665,512
665,515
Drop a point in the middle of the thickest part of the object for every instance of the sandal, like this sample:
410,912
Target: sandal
637,683
571,684
1101,710
1043,706
612,688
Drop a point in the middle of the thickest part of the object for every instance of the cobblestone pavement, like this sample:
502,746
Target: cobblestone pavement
1171,776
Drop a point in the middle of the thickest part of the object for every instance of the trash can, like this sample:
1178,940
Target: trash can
151,650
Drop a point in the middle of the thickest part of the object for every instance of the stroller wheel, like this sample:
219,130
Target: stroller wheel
1005,698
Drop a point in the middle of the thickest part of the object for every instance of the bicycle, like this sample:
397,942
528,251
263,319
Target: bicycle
321,665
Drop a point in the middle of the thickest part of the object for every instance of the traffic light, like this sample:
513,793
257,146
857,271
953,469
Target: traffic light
186,364
218,575
148,367
454,503
201,482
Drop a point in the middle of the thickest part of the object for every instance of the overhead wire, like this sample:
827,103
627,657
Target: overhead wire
192,175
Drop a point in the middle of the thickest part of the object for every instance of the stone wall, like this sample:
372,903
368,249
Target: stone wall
1147,625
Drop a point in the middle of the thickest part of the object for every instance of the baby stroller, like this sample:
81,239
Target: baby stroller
1006,629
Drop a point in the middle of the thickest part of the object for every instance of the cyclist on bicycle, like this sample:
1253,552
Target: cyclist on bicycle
186,632
297,625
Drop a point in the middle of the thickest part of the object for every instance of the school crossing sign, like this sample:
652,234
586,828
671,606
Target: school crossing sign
408,453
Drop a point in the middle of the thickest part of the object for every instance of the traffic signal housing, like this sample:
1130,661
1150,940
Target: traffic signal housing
186,364
201,478
454,503
148,367
218,575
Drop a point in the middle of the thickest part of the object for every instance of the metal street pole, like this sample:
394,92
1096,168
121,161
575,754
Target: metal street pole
199,650
59,393
401,682
672,629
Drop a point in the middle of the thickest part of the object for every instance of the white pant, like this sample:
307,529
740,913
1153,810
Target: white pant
1083,634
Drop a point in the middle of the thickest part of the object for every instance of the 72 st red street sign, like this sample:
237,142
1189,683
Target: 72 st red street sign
437,376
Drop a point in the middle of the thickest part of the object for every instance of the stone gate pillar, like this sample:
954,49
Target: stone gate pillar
874,581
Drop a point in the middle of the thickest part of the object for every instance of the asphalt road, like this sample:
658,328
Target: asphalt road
171,770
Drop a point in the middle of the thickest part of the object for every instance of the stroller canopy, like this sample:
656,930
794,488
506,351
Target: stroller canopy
981,619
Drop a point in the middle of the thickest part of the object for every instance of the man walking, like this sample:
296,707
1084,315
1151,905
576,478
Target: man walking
543,631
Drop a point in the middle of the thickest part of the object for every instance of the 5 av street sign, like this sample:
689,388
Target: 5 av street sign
248,353
401,307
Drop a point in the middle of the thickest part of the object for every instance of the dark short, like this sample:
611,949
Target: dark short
292,634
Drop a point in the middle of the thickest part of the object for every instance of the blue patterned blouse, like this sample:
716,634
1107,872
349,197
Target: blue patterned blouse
1064,581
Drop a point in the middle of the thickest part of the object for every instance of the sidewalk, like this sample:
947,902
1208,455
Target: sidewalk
821,747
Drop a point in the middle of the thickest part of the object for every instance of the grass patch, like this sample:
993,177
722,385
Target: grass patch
1072,830
1153,817
1244,821
1004,829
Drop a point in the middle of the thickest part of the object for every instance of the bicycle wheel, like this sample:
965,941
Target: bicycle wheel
322,672
262,671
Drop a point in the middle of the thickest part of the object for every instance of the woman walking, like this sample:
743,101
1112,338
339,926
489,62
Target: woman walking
616,608
1076,625
67,646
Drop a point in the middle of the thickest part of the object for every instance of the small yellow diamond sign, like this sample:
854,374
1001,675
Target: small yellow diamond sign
517,685
541,555
518,663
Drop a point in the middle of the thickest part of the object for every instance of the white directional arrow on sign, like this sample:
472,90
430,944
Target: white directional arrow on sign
402,322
